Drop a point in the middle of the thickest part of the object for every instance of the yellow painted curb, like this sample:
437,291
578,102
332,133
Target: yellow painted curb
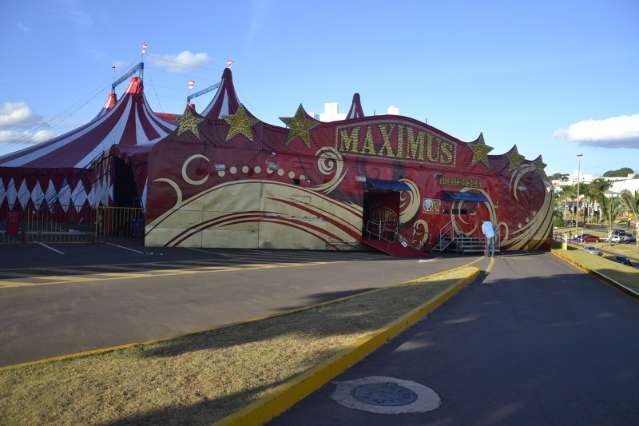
281,398
107,349
597,274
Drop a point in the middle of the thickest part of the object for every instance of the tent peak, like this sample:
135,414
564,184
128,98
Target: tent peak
355,110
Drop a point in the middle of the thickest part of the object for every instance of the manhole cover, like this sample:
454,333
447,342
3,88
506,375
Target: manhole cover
385,394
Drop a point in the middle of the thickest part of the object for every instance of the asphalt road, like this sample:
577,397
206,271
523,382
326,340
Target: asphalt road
538,343
92,297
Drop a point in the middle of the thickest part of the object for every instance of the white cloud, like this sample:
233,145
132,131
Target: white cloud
612,132
19,124
25,136
14,114
183,61
393,110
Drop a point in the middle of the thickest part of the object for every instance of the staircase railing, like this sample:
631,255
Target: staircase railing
382,230
446,237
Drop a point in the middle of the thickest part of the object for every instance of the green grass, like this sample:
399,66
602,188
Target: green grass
198,379
626,275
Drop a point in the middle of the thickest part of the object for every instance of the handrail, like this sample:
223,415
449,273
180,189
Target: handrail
443,232
379,229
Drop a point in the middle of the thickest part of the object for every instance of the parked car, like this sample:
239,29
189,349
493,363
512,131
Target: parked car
623,259
592,250
587,238
620,236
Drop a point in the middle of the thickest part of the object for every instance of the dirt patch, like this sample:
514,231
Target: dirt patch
203,377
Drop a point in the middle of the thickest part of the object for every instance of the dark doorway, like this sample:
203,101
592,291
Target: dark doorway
381,215
125,192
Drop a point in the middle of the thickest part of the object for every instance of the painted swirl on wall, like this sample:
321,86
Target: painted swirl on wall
409,202
185,175
535,232
330,162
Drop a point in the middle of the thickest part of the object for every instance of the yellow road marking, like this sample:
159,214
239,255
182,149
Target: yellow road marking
95,278
9,284
490,265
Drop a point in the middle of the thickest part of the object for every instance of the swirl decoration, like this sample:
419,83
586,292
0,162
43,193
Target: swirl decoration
420,233
176,188
534,233
409,202
457,205
516,177
185,175
329,162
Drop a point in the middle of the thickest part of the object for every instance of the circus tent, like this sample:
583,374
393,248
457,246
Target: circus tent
225,101
62,172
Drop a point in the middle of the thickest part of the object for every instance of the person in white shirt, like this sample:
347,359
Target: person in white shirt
488,230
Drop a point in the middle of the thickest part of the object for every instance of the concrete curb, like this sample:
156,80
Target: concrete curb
107,349
288,394
597,274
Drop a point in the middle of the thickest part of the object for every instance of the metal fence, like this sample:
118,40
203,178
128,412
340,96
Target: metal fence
119,222
63,227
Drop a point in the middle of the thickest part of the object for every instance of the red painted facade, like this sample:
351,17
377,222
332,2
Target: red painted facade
313,176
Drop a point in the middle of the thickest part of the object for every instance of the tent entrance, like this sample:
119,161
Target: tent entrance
381,218
125,192
381,215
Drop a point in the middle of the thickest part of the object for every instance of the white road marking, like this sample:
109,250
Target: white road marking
124,248
425,260
49,247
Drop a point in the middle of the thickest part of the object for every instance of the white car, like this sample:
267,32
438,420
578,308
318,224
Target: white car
592,250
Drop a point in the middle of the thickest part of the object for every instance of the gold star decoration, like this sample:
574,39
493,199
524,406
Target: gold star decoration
515,159
241,124
299,126
189,122
540,166
480,151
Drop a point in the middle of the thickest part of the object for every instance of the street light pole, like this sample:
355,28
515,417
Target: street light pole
578,181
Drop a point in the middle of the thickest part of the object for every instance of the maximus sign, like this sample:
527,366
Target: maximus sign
395,140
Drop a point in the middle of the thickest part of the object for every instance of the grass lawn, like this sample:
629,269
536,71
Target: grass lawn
626,275
200,378
630,250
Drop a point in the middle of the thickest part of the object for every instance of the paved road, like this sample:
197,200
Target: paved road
538,343
93,297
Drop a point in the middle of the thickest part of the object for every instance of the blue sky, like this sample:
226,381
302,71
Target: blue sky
525,73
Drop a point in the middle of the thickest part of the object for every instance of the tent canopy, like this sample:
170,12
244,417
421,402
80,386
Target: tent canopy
129,122
386,185
464,196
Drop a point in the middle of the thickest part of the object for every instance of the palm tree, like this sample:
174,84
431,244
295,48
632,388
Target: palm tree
631,201
597,188
568,193
611,208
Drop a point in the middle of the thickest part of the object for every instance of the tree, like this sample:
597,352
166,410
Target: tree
631,201
622,172
611,208
560,176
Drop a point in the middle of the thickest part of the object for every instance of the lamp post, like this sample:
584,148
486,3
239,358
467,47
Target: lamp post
578,181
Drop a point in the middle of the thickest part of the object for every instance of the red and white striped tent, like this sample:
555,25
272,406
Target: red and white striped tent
225,101
57,172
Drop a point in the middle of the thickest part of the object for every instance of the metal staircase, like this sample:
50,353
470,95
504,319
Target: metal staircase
449,240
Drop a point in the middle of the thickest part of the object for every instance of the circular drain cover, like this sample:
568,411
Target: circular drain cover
386,395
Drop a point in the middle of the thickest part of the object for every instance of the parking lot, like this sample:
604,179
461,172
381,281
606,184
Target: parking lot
92,296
